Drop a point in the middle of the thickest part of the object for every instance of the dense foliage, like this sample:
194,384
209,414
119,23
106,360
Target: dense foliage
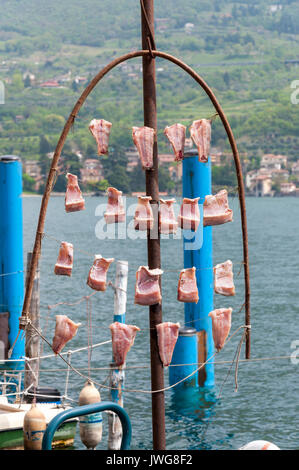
243,49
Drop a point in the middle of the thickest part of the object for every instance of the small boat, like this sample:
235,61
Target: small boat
12,418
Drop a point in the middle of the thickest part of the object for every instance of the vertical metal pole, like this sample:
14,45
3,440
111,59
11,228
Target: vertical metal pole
32,338
117,375
11,252
153,244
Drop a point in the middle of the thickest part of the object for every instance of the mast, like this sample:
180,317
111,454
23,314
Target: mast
153,244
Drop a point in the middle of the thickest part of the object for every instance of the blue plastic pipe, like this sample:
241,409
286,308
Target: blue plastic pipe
11,252
86,410
185,352
198,252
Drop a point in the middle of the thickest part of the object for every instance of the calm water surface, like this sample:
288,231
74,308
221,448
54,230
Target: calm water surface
266,403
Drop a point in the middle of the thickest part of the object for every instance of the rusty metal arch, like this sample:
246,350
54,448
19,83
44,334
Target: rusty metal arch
52,173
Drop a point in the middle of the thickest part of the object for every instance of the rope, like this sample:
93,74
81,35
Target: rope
170,270
150,39
133,390
89,332
69,354
255,359
11,274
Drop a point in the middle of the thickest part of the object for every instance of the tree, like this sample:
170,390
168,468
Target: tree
137,179
44,145
119,179
28,183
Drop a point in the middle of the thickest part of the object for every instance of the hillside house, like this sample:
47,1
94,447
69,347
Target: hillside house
32,168
287,188
261,186
132,157
176,172
276,162
92,171
295,169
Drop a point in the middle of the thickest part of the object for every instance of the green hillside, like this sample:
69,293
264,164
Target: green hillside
243,49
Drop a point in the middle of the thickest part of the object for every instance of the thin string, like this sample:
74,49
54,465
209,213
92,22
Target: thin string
133,390
164,270
89,332
255,359
11,274
237,355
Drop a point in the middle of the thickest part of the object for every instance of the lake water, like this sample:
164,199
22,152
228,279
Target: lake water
266,403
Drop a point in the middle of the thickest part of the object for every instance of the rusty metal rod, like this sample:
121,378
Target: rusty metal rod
153,243
58,150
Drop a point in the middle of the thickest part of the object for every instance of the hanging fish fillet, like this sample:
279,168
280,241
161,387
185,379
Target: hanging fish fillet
97,277
176,135
143,217
216,210
64,263
189,216
167,333
224,278
143,138
221,324
65,330
123,337
147,288
115,211
187,287
73,196
100,129
200,132
167,220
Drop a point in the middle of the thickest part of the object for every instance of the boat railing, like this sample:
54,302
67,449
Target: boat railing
85,410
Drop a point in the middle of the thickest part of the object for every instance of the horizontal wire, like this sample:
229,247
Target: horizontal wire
127,368
134,390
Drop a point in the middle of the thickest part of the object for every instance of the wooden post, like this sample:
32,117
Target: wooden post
153,243
32,341
117,375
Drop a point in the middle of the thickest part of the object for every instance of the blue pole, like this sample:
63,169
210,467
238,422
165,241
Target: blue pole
185,352
11,256
198,252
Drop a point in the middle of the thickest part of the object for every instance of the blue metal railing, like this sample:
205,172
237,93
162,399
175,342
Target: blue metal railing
85,410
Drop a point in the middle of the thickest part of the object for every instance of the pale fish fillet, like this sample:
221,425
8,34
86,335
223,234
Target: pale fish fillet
143,138
100,129
216,210
115,211
167,333
200,132
97,277
147,288
187,286
221,325
123,337
224,278
73,197
65,330
176,135
167,220
64,263
189,216
143,217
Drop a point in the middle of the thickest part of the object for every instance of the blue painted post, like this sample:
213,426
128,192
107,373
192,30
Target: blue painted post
198,252
185,352
11,258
